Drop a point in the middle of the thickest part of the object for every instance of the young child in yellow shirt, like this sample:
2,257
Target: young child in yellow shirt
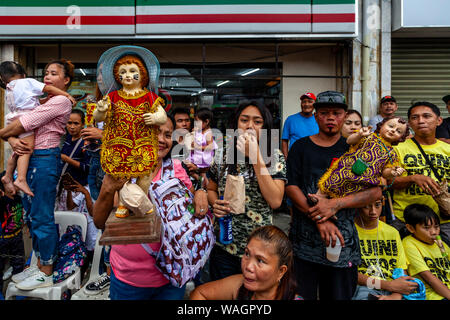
427,256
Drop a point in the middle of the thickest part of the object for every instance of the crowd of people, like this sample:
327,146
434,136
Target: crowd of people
371,191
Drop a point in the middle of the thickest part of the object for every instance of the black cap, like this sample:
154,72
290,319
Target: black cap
387,99
446,98
331,99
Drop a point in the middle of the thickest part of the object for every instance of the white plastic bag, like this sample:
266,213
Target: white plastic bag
135,199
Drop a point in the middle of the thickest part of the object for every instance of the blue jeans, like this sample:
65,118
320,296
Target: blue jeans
362,293
104,259
119,290
42,177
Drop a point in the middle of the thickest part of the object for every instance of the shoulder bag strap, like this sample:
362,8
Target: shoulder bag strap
66,165
427,160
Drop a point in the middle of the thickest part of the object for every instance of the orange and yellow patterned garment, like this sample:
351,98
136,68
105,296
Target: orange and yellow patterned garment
130,147
339,180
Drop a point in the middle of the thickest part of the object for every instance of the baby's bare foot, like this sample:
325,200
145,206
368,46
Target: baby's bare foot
10,190
23,185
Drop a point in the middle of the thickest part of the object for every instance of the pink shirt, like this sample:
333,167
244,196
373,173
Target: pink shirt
131,263
49,120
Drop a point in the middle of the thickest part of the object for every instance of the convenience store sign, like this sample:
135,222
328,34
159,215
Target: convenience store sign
175,17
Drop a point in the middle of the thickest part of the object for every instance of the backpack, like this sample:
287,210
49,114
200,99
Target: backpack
186,241
72,253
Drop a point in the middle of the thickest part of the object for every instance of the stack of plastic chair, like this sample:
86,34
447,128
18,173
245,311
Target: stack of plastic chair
93,275
55,292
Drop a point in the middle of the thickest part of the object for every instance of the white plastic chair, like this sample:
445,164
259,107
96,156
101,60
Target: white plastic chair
93,275
63,219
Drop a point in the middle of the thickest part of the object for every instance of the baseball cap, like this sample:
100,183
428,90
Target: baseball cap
446,98
308,95
331,99
387,99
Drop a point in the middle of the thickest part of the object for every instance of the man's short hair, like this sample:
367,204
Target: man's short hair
180,110
430,105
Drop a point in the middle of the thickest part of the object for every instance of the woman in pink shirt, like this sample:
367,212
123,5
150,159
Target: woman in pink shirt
134,275
48,121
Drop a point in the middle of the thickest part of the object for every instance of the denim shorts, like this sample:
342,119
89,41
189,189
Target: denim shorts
42,177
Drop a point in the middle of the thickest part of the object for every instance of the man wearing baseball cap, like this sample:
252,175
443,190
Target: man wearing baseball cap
299,125
312,228
388,107
443,131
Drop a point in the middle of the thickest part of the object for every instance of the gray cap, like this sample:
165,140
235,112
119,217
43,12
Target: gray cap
331,99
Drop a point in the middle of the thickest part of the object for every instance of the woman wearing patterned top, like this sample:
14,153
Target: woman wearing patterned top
264,186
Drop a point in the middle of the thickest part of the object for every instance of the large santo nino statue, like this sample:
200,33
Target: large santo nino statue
127,77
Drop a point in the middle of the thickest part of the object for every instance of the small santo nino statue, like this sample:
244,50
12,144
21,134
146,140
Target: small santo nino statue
131,114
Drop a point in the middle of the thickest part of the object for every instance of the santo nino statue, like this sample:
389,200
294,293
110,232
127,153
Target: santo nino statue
131,115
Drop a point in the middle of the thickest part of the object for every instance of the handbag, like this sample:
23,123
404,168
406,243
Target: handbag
443,198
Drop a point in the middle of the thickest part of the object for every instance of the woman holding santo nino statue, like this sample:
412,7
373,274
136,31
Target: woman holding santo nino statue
131,114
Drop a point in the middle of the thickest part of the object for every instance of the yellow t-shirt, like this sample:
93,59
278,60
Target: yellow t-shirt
388,246
413,162
424,257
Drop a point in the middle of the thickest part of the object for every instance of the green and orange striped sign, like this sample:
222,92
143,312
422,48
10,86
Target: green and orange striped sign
176,17
244,16
67,17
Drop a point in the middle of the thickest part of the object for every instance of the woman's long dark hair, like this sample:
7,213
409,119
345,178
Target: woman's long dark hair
277,239
268,125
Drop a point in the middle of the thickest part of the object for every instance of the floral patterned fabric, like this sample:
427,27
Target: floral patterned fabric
377,153
130,148
257,211
72,254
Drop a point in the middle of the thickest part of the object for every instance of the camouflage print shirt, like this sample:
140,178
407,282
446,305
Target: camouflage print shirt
257,211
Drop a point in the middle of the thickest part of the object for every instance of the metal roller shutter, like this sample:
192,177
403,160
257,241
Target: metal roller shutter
420,72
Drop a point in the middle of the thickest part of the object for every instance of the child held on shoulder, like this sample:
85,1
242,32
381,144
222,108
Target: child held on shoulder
22,96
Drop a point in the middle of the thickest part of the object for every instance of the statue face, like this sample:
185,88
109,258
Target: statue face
130,76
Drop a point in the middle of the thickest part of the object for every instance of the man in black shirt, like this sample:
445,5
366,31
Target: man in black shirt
313,228
443,131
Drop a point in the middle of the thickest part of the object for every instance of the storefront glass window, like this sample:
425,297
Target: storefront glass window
221,87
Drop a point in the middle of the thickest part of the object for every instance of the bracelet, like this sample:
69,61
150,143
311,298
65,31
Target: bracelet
390,185
202,189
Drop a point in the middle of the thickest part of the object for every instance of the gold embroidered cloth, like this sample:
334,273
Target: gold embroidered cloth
130,147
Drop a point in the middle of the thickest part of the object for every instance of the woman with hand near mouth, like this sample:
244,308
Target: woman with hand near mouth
264,180
267,271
